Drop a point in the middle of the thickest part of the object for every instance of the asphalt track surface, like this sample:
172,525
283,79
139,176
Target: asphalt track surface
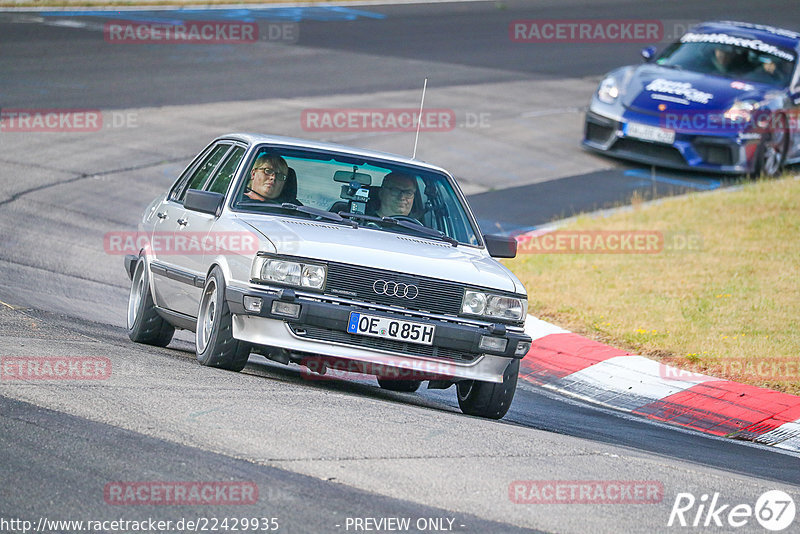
355,50
319,451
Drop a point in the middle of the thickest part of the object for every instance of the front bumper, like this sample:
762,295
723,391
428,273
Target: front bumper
321,329
721,152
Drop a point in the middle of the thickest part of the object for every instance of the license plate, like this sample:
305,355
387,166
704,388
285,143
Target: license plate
375,326
650,133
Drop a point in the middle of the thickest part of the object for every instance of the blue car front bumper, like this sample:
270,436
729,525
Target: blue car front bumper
722,151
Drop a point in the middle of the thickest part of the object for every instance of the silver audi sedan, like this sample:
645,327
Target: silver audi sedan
333,258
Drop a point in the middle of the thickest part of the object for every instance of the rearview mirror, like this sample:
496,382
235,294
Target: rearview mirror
350,176
501,246
204,201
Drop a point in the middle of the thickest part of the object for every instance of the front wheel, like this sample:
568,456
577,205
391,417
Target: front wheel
771,153
488,399
214,343
145,325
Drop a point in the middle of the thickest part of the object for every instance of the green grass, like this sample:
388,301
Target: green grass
722,308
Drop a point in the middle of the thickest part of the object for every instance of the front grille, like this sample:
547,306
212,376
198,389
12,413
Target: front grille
714,153
597,133
355,340
665,153
434,296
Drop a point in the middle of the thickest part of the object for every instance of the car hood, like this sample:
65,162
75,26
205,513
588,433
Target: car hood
651,86
398,252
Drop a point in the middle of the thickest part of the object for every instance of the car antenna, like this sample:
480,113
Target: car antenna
419,119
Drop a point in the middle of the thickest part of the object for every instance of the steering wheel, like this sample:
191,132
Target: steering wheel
405,218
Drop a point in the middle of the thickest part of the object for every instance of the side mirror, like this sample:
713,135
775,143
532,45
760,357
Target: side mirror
648,53
204,202
500,246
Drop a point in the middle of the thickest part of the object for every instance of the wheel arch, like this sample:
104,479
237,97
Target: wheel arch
224,267
144,256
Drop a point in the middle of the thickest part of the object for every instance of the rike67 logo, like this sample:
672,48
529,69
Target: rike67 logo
774,510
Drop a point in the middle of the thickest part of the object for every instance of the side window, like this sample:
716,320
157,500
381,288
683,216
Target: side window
220,182
201,173
175,192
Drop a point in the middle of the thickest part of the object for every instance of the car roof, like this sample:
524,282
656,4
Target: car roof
293,142
769,34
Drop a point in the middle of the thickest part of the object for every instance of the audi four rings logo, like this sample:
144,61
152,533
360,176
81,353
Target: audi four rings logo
395,289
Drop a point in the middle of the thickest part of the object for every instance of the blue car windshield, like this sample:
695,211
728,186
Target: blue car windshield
329,185
772,66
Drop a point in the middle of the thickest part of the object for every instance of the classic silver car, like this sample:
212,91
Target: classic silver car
325,255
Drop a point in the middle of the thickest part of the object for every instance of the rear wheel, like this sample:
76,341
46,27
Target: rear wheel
214,342
488,399
771,153
403,386
145,325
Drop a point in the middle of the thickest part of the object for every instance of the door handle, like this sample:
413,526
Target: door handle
183,222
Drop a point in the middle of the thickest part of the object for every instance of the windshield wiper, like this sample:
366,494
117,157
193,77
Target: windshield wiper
329,215
308,210
391,221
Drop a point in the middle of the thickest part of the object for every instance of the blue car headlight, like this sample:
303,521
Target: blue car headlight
741,111
608,90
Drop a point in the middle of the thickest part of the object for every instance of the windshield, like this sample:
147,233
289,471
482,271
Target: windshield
748,60
368,193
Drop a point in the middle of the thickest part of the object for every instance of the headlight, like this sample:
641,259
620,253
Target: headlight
741,111
293,273
608,91
493,306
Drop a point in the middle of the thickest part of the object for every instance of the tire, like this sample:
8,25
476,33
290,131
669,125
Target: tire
145,325
402,386
771,153
487,399
215,345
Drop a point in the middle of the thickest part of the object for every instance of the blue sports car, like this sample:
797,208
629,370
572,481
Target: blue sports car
724,98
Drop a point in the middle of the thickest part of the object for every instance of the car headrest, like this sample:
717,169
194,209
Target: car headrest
290,187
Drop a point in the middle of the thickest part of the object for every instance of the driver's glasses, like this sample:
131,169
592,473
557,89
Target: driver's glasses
400,193
279,176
